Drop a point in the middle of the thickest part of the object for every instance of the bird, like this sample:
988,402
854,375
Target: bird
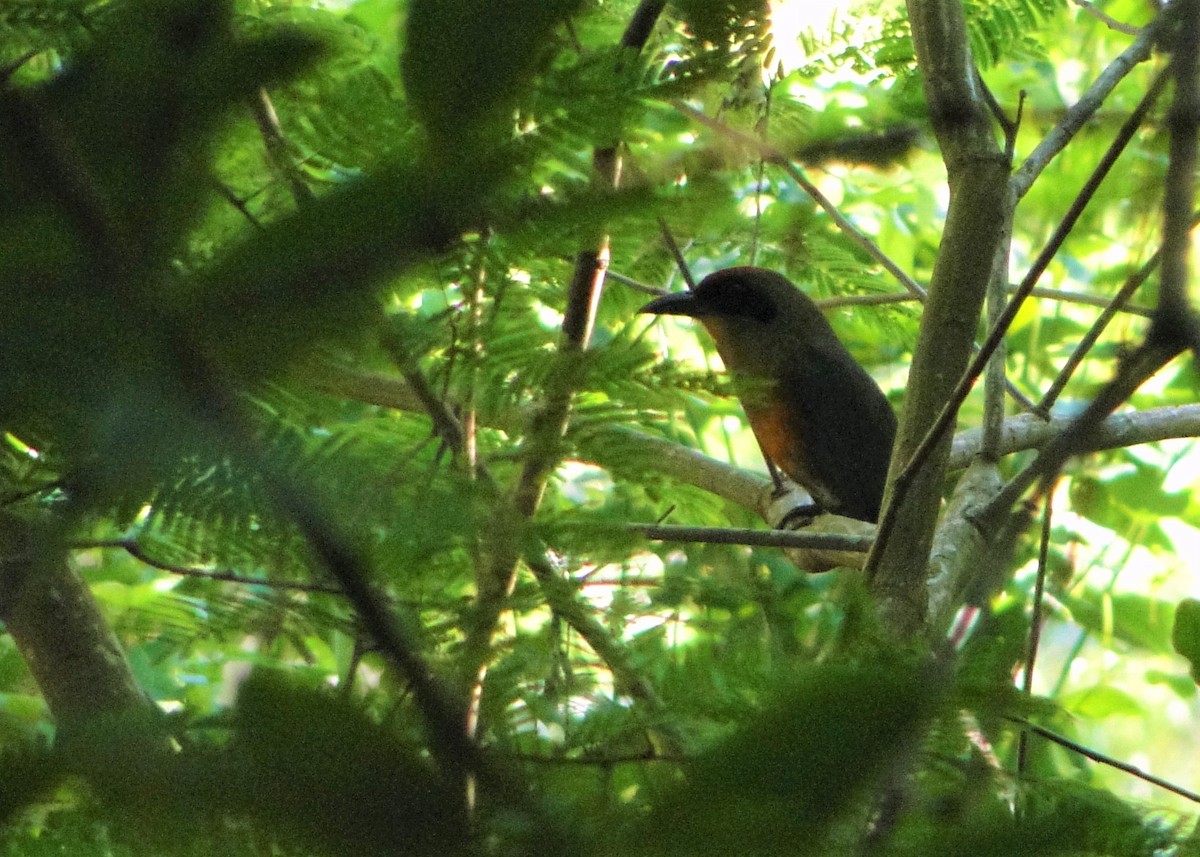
817,413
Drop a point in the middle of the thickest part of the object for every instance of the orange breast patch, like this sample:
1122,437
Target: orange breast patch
778,433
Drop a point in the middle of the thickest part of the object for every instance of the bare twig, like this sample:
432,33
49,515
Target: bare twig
1109,21
774,155
1086,299
1175,325
445,423
1082,110
1131,285
278,152
1103,759
676,254
135,549
1079,435
237,202
1035,622
9,69
635,284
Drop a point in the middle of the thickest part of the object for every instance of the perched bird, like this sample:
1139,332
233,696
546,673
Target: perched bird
815,411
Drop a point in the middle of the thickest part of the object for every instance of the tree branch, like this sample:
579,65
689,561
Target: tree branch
542,449
78,663
979,207
1082,110
753,490
908,469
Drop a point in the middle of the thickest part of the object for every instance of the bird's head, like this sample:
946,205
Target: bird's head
755,316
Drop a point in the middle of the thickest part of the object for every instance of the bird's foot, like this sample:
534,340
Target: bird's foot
798,517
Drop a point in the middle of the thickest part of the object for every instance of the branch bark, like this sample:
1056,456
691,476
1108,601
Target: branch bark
78,663
980,204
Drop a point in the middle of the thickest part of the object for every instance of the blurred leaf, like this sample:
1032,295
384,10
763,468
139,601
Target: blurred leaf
1101,701
1183,686
304,765
466,61
789,773
314,763
106,167
1185,634
1133,618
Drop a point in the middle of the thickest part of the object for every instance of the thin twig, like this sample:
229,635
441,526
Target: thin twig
9,69
777,157
138,552
1083,298
1097,756
1007,126
445,424
636,285
1082,110
1079,435
1035,623
1089,339
1108,20
278,150
676,254
1174,326
240,204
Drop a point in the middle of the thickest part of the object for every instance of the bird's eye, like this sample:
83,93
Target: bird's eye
736,294
742,299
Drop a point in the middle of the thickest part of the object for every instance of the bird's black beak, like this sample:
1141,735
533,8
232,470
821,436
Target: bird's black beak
677,303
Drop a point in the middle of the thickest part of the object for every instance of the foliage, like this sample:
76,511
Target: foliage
254,259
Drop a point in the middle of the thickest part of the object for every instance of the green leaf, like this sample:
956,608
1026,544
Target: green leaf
1183,686
1185,634
1101,701
791,771
466,61
1136,619
313,763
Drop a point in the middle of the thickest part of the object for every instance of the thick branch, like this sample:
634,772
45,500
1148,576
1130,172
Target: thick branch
53,618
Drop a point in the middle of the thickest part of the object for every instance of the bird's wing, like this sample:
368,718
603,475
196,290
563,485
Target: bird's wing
847,429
